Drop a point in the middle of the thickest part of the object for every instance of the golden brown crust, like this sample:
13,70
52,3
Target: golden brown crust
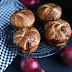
27,38
49,11
58,31
22,18
57,45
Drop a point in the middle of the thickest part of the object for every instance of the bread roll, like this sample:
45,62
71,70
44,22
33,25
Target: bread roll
57,32
27,39
22,18
49,11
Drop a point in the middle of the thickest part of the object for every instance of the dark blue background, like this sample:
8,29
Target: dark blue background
52,63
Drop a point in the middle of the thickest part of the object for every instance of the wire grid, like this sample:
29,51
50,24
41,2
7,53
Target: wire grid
44,48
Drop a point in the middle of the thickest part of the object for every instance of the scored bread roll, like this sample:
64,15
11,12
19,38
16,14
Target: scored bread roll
27,39
57,32
49,11
22,18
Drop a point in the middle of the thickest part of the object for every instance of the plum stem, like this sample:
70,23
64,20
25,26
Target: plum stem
40,70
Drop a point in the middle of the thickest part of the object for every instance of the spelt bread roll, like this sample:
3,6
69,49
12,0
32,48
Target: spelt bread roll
49,11
57,32
22,18
27,39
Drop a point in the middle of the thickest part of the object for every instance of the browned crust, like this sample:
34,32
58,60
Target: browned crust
22,18
57,32
31,50
49,11
21,27
57,45
27,38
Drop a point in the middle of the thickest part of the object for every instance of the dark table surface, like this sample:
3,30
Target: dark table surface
49,64
52,63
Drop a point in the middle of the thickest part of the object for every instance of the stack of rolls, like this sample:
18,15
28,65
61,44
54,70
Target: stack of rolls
26,38
57,31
